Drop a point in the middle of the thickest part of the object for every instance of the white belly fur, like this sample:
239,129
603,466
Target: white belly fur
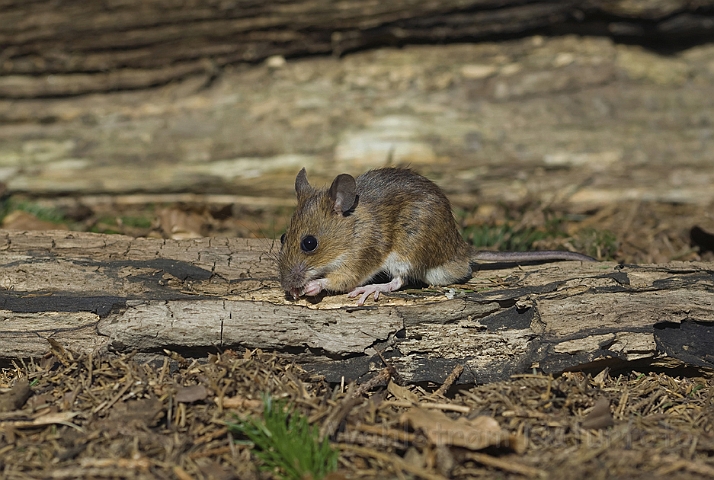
438,276
396,266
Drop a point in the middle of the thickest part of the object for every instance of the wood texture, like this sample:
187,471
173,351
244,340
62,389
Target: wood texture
577,121
94,293
73,47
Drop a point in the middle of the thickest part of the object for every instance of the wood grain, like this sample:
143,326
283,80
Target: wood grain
73,47
96,293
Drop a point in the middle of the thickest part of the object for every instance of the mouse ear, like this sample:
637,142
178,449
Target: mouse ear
343,192
302,187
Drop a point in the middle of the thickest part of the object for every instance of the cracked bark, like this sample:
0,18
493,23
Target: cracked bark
112,293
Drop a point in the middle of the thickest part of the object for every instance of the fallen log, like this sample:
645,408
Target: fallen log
72,47
98,293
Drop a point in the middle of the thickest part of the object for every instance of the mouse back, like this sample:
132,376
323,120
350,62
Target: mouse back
421,227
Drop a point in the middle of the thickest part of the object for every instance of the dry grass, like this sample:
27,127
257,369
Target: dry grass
116,417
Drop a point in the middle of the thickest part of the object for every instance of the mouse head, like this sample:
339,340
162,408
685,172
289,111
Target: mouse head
320,233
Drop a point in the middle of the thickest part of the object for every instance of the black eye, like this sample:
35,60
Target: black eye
282,238
308,244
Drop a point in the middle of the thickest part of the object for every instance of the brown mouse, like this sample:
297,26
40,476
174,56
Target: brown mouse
390,220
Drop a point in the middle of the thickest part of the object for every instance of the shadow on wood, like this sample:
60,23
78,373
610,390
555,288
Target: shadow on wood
98,293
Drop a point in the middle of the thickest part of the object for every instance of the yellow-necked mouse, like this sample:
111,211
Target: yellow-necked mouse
390,220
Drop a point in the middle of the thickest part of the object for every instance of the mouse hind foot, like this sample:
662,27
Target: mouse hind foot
375,288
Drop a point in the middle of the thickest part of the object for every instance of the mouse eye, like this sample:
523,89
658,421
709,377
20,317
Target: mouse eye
282,239
308,244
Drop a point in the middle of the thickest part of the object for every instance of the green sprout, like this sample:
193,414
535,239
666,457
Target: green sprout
286,443
137,222
597,243
601,244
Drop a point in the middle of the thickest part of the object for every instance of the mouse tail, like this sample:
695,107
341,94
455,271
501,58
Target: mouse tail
534,256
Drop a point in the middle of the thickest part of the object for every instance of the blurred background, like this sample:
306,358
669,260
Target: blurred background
586,126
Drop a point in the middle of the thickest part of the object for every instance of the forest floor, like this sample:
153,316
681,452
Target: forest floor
573,143
119,418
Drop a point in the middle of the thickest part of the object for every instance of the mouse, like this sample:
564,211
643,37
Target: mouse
390,221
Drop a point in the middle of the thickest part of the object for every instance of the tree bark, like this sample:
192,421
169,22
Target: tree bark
94,293
74,47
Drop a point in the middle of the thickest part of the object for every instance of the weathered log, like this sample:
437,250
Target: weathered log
94,293
561,121
74,47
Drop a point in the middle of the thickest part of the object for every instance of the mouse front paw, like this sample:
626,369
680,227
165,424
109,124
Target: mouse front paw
314,287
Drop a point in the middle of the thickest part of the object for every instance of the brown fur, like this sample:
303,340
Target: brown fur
394,215
389,220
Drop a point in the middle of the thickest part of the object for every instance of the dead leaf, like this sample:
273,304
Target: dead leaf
475,434
178,224
62,354
214,470
414,457
402,393
59,417
335,476
62,418
600,378
241,403
16,397
68,399
39,402
181,474
143,411
141,463
21,220
191,394
445,461
599,417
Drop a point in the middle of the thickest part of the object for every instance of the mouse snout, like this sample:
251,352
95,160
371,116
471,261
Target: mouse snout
294,279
